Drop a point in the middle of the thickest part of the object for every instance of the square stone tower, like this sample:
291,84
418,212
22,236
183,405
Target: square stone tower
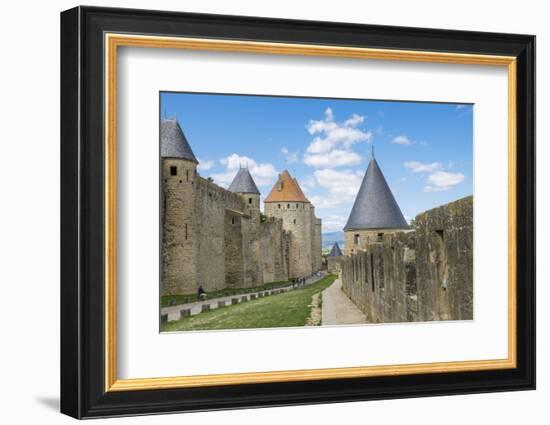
287,202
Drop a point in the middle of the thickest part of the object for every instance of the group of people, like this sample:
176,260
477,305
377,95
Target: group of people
298,282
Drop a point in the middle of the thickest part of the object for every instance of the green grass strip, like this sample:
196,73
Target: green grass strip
166,300
284,310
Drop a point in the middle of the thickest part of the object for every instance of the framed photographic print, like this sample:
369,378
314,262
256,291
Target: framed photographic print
261,212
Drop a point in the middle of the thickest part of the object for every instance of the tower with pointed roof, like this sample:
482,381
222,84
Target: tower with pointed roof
244,185
178,173
374,212
287,202
334,259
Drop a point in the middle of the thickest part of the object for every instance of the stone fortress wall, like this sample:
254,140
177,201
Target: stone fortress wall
423,274
215,238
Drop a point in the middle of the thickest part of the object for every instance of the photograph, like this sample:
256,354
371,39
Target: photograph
284,212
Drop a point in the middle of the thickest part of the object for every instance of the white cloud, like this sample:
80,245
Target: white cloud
263,174
419,167
333,223
205,165
442,180
354,120
334,158
438,180
342,187
402,140
331,134
307,184
290,157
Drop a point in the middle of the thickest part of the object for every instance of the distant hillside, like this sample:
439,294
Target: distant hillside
331,237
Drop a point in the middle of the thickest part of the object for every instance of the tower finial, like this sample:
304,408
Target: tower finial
372,151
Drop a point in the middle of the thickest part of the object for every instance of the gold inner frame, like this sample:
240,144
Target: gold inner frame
113,41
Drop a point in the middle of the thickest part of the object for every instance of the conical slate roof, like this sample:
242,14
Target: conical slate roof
375,207
286,189
335,251
243,183
173,143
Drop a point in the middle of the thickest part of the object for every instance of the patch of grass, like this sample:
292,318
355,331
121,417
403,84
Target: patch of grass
166,300
284,310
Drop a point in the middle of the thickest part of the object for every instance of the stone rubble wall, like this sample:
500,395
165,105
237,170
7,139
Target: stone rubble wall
424,274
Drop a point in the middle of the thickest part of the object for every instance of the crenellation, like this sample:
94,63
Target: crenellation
423,274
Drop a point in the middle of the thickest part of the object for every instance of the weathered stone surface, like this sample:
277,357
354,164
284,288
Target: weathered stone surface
244,298
252,296
221,304
234,301
173,316
205,307
419,275
215,238
445,262
185,312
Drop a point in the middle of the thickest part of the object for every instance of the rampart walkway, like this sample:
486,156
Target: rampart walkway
338,309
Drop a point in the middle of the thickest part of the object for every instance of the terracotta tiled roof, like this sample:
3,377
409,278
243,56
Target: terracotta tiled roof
286,189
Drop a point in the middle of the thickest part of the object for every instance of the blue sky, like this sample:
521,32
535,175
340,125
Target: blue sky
425,150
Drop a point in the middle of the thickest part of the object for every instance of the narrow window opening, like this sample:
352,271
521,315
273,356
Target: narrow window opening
232,220
440,234
294,221
185,231
279,206
288,205
372,272
173,171
249,200
380,237
381,272
356,239
186,175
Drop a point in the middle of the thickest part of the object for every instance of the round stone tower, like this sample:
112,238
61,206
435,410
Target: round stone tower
287,202
374,213
243,185
178,173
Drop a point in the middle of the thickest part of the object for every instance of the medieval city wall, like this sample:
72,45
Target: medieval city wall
417,275
215,238
274,246
211,210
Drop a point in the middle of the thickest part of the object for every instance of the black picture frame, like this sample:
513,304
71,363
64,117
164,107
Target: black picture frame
82,212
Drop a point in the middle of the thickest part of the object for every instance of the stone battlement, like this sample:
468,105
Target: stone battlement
423,274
